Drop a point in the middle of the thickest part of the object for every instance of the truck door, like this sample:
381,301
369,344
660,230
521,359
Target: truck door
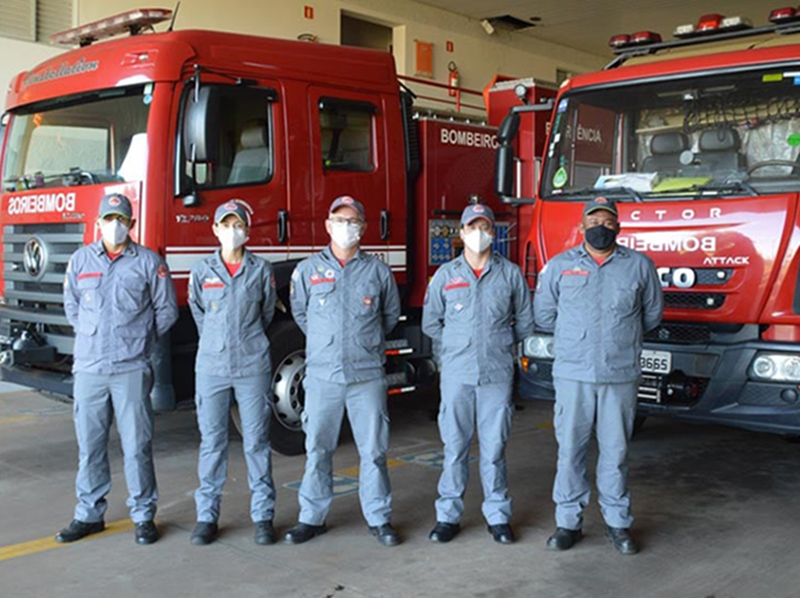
226,149
348,145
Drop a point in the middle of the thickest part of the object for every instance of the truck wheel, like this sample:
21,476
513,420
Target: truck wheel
288,353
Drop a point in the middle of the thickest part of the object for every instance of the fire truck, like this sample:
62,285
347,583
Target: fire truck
181,121
697,139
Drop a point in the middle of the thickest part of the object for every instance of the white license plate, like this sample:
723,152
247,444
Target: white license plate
656,362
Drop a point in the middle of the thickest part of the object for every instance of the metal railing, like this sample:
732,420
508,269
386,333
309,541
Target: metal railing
458,103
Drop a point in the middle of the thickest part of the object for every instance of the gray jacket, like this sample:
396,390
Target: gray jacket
345,313
117,308
598,313
475,323
232,315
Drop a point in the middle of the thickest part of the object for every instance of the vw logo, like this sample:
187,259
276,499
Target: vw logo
34,258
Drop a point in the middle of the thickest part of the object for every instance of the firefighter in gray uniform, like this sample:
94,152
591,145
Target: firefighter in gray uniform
119,297
476,308
346,302
232,299
599,298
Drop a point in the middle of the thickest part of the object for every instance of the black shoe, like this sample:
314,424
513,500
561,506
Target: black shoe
444,532
302,532
502,533
564,539
146,532
265,533
621,539
386,534
205,532
79,529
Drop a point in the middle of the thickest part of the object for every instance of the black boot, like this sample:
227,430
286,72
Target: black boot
444,532
564,539
79,529
621,539
265,533
302,532
386,534
205,532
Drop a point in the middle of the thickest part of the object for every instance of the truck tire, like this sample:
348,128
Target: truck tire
288,354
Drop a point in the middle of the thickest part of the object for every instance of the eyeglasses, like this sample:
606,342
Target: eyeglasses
352,221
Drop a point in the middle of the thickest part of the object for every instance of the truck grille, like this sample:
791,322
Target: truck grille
674,332
704,301
36,257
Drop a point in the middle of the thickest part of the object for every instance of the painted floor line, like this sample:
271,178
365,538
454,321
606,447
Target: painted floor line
16,420
49,543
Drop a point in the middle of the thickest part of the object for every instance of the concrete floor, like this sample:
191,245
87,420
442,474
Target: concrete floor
717,515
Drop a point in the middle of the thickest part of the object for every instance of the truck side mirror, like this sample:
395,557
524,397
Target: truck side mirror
504,171
200,131
508,129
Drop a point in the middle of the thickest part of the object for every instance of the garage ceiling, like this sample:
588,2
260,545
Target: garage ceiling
587,24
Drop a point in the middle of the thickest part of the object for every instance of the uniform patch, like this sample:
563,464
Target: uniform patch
162,271
367,301
317,279
575,272
458,307
456,283
83,275
114,201
213,283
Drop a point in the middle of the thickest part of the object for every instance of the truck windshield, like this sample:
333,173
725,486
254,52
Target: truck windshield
99,137
726,135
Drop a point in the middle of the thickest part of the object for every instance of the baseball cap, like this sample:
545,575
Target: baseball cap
346,200
115,203
474,211
237,207
600,203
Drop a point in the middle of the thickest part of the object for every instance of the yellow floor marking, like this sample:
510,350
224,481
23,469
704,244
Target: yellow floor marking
544,426
44,544
14,420
352,472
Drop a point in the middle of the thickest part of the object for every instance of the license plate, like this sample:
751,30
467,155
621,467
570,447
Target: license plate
656,362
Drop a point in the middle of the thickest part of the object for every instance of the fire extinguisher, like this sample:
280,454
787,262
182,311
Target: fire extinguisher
453,78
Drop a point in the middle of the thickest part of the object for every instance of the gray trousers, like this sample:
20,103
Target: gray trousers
213,397
326,403
609,409
98,398
462,408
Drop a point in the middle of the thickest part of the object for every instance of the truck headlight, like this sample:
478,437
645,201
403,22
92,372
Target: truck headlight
539,346
776,367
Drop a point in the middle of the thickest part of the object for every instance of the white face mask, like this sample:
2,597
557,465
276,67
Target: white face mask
345,235
114,232
478,241
231,238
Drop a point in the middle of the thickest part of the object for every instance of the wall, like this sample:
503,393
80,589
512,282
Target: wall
478,56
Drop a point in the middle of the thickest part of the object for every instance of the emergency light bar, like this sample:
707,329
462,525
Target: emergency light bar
786,14
712,23
132,21
710,28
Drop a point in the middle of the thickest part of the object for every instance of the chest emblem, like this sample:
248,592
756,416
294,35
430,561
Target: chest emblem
213,283
368,301
320,279
456,283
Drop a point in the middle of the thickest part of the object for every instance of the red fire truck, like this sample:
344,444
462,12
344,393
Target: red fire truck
183,120
698,139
